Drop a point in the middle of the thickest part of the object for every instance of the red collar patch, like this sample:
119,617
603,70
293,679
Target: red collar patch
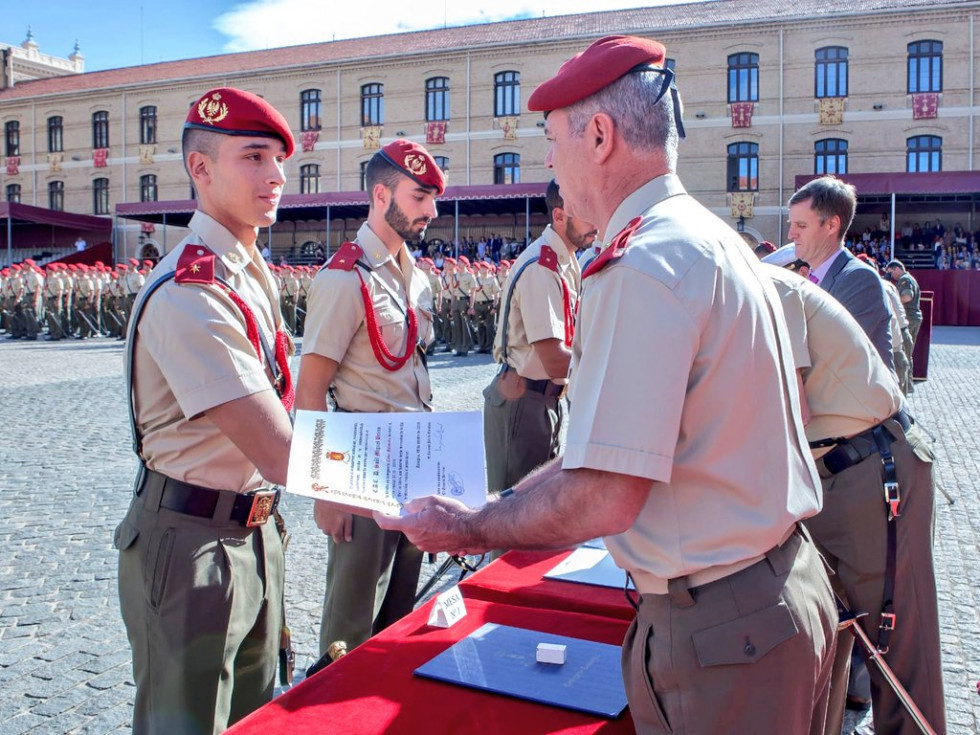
345,258
195,265
615,250
548,258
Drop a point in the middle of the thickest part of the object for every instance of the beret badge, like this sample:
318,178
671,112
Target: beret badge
212,110
415,164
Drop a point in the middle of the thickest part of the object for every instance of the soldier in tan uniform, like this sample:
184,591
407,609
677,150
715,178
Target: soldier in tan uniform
200,560
485,299
54,293
462,286
435,286
522,409
32,299
446,278
368,326
685,445
857,414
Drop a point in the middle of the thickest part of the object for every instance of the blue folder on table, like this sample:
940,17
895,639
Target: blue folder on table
503,659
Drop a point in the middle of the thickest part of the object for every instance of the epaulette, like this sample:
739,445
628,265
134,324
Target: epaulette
345,258
614,250
548,258
195,265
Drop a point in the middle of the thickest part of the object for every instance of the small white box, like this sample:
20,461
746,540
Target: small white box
551,653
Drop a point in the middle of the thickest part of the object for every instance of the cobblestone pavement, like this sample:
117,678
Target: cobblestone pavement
66,467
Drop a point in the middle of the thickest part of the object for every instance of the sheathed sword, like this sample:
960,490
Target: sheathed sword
848,620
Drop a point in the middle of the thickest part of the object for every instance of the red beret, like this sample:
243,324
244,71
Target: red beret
598,66
235,112
463,260
448,261
415,162
72,267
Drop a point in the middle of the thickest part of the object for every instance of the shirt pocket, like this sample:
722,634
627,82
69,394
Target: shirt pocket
391,322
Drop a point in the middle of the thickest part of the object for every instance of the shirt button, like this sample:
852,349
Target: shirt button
749,648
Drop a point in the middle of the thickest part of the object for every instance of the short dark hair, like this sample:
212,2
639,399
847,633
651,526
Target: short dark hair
829,196
202,141
381,171
553,200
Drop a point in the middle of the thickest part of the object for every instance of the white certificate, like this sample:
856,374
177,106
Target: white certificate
379,461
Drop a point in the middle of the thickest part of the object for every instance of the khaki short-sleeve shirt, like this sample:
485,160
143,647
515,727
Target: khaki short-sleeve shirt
684,376
336,328
848,388
192,353
534,306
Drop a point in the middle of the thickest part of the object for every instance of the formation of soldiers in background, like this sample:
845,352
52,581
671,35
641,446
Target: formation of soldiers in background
79,301
465,299
70,300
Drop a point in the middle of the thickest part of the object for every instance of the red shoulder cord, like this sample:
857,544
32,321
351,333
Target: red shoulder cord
284,385
566,302
384,356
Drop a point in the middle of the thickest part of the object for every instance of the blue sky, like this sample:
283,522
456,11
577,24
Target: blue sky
115,33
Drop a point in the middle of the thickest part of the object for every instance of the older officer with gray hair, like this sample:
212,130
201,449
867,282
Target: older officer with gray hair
685,443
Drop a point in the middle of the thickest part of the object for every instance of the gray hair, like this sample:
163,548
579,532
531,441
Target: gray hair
644,124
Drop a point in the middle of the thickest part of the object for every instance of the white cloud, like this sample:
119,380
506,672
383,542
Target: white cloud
259,24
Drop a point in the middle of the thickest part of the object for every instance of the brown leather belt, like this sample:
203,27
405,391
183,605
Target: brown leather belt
248,509
545,387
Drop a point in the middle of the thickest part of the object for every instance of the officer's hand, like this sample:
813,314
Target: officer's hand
338,524
434,524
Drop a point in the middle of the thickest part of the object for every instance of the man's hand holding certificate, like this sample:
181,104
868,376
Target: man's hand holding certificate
380,461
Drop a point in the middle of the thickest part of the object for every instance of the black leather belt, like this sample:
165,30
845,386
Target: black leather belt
249,509
848,452
545,387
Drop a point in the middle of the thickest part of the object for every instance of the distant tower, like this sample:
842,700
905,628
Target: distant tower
29,42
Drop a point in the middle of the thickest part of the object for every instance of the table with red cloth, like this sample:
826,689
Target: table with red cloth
517,578
373,689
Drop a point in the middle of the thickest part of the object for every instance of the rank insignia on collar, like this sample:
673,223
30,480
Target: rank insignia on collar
345,258
195,265
615,249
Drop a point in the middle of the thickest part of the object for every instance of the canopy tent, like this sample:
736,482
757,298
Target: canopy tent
520,200
910,194
46,230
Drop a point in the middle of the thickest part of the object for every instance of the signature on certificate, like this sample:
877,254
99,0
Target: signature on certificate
438,438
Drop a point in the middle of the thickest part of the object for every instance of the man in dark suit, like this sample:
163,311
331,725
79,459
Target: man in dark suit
820,214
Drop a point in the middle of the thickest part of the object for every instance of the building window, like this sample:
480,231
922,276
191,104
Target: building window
436,99
309,110
442,162
831,72
56,195
100,196
309,179
148,125
743,77
148,188
830,156
925,66
925,153
507,93
56,127
100,129
372,105
743,167
13,193
507,168
364,165
12,137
